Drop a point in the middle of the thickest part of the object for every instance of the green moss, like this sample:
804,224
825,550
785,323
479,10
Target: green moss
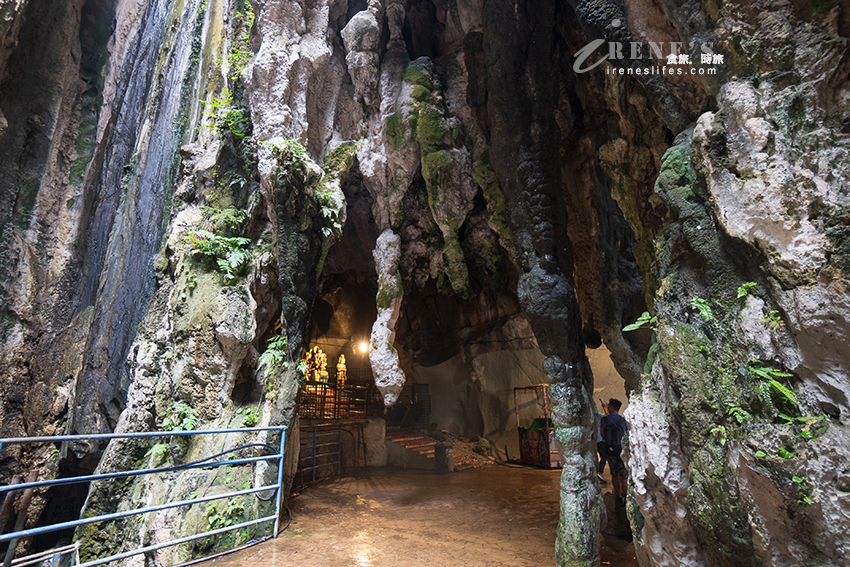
456,267
26,203
84,144
417,73
681,348
339,158
712,501
395,130
421,94
326,247
436,170
431,129
497,208
389,290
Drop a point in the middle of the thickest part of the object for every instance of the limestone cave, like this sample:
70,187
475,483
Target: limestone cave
261,257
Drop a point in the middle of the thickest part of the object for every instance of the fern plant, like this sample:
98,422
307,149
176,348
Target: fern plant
329,208
274,357
229,253
645,321
703,307
227,116
745,289
740,415
181,417
768,383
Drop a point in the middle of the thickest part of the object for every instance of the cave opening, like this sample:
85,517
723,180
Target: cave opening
462,357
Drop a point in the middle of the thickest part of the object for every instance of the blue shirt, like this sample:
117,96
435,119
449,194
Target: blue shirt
617,420
599,429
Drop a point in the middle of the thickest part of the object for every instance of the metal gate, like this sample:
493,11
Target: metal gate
321,453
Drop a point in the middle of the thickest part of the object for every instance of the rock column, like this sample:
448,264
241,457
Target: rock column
382,355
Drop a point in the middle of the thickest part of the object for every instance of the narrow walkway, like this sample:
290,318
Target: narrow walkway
495,516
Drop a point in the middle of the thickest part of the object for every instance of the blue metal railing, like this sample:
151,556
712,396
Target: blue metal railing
13,537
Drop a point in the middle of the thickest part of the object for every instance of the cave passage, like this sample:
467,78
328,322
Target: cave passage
495,516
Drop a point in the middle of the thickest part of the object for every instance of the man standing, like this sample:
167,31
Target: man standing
612,427
600,448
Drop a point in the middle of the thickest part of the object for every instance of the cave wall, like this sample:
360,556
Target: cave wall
496,190
474,397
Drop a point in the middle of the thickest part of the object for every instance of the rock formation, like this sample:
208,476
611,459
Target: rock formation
179,182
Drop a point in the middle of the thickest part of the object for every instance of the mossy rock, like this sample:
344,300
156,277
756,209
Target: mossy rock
431,130
388,290
421,94
456,269
712,504
436,170
395,130
339,158
418,72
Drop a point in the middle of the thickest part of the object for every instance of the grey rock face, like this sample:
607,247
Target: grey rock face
361,36
519,202
383,356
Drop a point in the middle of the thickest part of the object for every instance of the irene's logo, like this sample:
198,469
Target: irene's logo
665,53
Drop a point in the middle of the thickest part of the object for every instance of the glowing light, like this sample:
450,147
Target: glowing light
364,347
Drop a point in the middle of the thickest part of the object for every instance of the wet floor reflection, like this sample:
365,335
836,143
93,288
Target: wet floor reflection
497,516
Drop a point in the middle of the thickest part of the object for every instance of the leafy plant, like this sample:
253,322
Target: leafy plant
157,449
740,415
330,208
645,321
302,367
804,419
719,433
228,252
234,265
773,320
275,355
251,417
288,152
702,306
216,520
784,453
804,489
272,390
205,243
181,417
230,220
769,374
227,116
238,58
745,289
761,454
301,371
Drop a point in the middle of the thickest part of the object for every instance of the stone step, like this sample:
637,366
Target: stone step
415,442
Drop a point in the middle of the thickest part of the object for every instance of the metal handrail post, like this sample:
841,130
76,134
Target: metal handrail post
279,483
339,449
314,453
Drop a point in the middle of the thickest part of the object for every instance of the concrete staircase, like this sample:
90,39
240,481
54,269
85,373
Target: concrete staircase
411,450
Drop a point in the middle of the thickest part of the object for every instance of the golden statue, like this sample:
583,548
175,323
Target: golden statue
340,372
317,365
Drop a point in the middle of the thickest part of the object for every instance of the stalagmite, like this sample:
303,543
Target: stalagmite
382,355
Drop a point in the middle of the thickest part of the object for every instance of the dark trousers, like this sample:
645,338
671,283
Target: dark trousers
600,448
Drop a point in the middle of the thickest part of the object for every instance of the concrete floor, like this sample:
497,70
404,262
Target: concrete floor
494,516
